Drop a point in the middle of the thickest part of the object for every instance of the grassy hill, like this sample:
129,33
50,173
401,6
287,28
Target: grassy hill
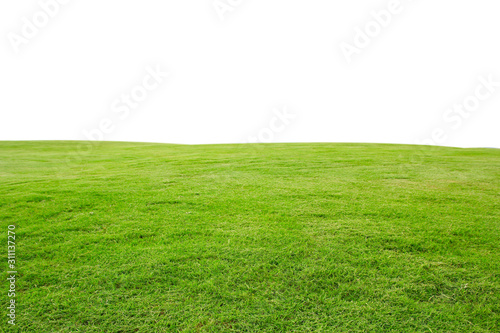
131,237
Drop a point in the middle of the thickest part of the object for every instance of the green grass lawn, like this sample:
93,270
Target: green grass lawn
133,237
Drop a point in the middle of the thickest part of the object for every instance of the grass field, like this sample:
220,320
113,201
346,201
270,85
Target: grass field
137,237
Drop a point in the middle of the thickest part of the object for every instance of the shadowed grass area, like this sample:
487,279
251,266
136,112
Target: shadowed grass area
133,237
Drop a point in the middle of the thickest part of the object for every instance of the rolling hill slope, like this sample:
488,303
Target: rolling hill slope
134,237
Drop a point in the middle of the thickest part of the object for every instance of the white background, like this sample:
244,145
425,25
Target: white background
227,76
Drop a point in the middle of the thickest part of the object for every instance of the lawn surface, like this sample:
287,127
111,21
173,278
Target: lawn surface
130,237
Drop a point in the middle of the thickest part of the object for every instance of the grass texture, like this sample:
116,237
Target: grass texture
135,237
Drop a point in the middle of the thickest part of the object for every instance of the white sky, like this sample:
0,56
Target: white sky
228,77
